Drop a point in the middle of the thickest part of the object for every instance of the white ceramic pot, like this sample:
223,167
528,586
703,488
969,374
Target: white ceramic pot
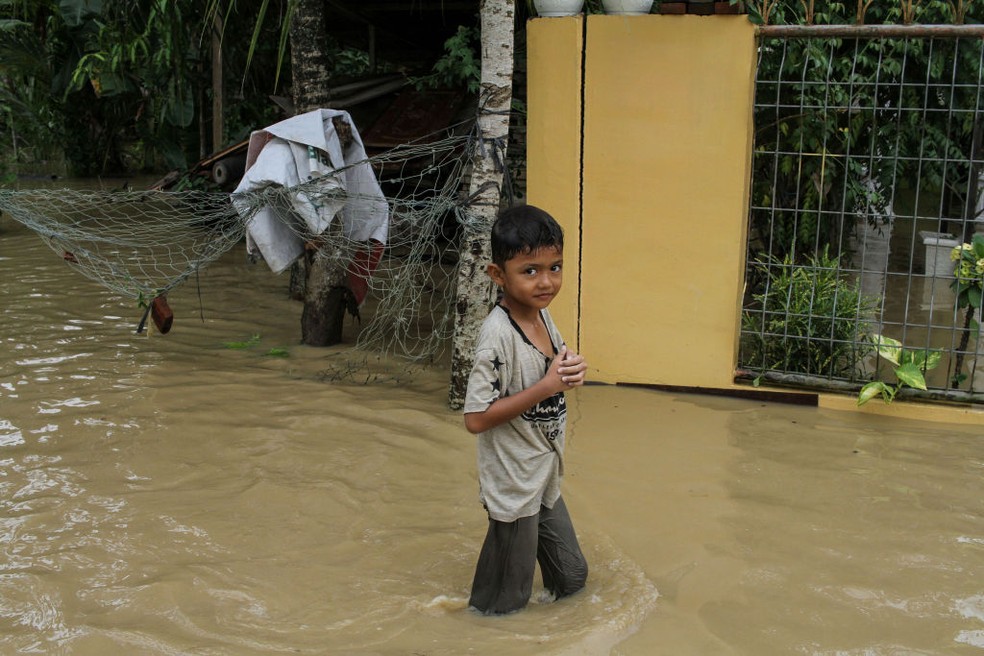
549,8
627,7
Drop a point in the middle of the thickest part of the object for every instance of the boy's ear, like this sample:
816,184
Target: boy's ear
495,273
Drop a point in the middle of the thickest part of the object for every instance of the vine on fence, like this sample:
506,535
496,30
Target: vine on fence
910,369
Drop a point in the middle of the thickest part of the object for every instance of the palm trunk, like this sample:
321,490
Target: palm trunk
474,293
324,292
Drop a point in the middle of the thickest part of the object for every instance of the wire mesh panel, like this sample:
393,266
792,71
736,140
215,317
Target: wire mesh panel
142,244
867,182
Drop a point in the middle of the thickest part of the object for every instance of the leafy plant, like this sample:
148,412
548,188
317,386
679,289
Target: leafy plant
969,271
808,319
968,285
819,165
253,340
461,63
910,369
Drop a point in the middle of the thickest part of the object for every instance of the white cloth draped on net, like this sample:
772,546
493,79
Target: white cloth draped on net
323,147
142,244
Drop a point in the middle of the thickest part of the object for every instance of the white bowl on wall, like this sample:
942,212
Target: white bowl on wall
627,7
548,8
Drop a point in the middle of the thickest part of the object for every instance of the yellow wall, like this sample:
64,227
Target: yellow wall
667,116
639,143
553,145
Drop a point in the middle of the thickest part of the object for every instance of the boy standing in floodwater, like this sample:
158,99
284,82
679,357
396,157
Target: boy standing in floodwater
515,404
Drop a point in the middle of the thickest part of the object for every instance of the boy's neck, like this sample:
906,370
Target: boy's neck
527,315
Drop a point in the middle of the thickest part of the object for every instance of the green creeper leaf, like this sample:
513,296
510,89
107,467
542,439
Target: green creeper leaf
873,389
911,375
925,359
888,348
931,360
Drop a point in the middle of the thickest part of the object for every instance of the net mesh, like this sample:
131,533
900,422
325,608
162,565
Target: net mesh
142,244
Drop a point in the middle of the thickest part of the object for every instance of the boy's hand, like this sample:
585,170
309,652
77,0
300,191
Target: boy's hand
569,368
566,371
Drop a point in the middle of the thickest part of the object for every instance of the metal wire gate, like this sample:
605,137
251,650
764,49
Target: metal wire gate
867,174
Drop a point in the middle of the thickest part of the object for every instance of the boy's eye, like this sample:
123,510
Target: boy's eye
531,271
555,268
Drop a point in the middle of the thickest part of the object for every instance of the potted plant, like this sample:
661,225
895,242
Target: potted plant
627,7
550,8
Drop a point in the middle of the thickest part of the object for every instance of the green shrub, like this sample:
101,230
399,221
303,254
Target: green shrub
809,319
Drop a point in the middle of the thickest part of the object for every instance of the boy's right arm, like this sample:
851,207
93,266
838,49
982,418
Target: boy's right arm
565,371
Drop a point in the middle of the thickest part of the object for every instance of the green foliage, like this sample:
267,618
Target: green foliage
254,340
461,64
194,182
968,271
791,12
809,319
968,267
27,113
75,12
100,80
122,85
910,369
855,121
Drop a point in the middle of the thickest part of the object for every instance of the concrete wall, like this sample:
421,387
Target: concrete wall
640,134
639,142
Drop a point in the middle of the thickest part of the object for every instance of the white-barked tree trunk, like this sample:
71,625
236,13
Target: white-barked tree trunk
474,292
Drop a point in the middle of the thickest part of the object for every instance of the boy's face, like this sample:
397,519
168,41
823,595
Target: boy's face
530,280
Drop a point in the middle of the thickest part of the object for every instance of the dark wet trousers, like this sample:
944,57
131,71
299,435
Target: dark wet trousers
504,574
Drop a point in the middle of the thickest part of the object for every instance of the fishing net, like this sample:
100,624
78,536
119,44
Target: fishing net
142,244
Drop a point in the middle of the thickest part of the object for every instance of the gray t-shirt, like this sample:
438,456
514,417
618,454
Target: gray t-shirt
520,462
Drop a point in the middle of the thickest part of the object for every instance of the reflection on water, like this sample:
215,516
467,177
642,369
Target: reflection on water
170,495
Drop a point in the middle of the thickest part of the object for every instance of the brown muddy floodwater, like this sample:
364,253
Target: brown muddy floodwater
169,495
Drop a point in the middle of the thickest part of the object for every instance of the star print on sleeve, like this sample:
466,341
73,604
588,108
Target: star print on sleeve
496,365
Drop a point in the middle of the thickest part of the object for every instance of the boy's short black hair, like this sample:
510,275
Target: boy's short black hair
522,229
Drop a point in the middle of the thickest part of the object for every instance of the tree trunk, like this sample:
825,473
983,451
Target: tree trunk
308,59
474,293
218,98
324,275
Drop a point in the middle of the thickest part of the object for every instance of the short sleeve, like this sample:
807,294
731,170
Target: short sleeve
487,379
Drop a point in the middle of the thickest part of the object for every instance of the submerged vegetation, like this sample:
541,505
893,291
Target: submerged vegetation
253,341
